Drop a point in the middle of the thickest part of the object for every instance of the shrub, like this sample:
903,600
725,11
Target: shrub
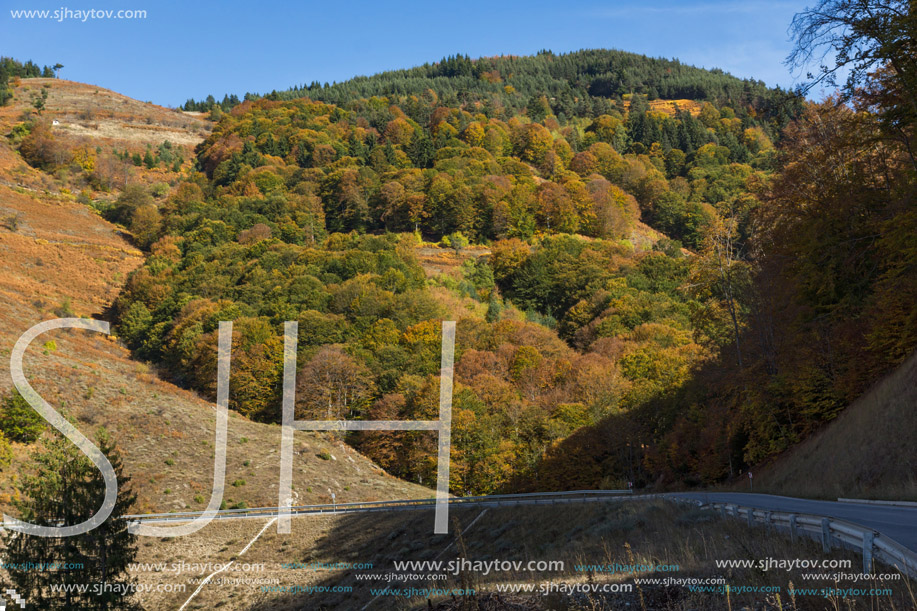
41,149
6,452
13,221
18,421
131,199
65,310
456,241
20,131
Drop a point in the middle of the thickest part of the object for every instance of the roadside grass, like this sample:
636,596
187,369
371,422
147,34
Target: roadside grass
623,532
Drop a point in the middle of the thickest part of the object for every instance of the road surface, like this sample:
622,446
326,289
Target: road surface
896,523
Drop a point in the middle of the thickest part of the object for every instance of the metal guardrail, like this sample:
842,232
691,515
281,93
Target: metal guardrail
532,498
872,502
869,542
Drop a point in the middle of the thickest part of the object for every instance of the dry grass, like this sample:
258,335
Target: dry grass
626,533
869,451
95,121
104,116
447,261
669,106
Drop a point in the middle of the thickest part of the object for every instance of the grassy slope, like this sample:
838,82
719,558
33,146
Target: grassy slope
106,117
869,451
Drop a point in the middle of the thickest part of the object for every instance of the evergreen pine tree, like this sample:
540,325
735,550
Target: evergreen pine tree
65,487
148,160
422,151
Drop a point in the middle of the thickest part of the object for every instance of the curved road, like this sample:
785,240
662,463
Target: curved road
897,523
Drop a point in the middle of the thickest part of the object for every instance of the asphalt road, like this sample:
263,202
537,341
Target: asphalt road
897,523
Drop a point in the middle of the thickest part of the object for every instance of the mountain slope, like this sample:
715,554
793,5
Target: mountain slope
868,451
103,116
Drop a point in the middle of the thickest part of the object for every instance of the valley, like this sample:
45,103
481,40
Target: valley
664,278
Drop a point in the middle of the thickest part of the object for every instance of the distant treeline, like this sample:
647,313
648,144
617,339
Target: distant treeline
210,102
576,84
10,68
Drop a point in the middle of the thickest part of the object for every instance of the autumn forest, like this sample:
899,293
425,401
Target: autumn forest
663,274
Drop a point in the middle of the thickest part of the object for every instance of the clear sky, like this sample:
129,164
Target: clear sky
194,48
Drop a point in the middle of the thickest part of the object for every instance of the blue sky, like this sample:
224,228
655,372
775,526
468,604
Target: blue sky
189,49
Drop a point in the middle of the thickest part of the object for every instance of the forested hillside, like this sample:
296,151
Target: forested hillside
585,357
824,292
310,211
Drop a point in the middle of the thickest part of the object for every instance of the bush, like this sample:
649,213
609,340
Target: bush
65,310
18,421
6,452
13,221
131,199
159,189
19,132
455,241
41,149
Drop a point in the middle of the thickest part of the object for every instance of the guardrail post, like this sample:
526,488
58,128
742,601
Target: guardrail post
767,518
868,539
826,534
723,511
751,516
793,527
